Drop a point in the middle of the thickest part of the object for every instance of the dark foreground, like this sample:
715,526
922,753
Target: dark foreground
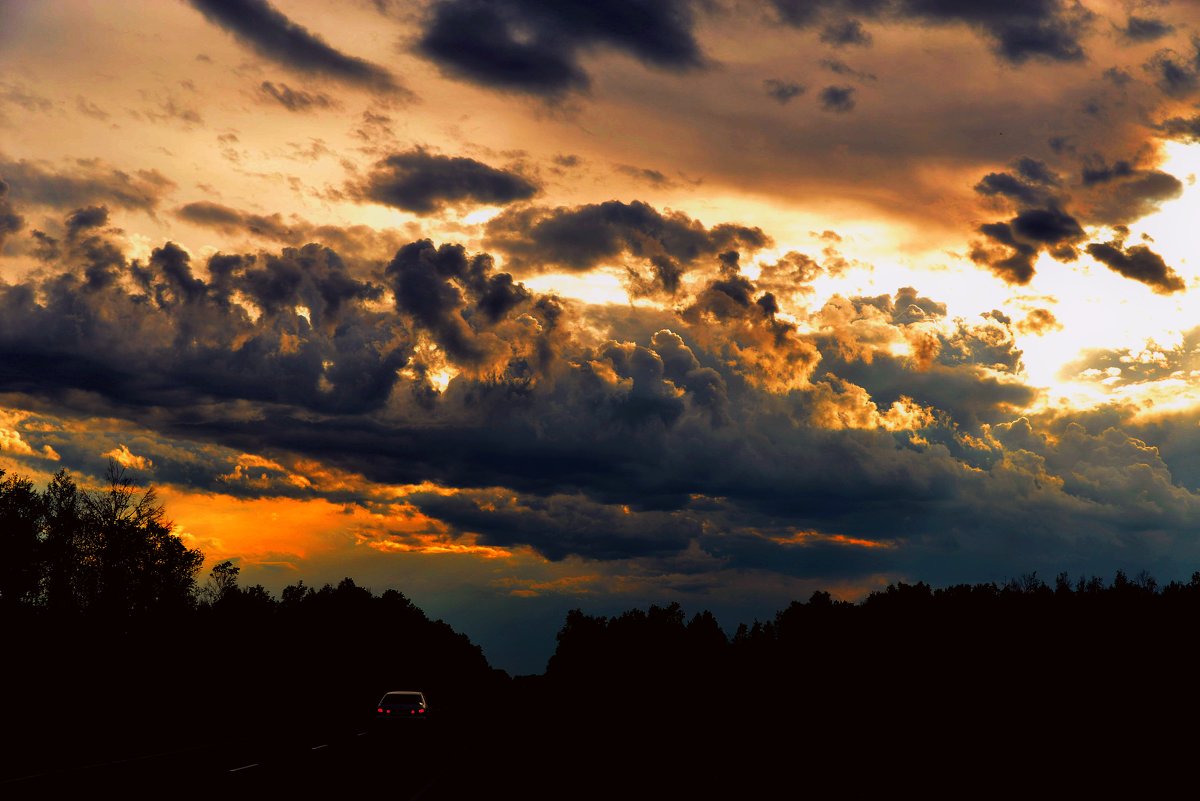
530,742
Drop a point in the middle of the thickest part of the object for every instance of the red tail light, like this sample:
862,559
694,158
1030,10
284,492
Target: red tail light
380,710
422,711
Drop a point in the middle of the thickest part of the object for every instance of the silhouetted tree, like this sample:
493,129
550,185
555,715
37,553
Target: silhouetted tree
61,548
222,582
131,564
21,512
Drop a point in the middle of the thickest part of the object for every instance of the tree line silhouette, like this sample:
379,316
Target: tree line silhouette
109,636
98,596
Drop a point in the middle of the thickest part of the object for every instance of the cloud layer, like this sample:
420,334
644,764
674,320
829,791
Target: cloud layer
880,436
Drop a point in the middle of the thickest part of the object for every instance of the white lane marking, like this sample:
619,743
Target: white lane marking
316,747
244,767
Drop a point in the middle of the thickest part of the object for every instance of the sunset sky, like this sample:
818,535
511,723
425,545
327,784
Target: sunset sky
519,306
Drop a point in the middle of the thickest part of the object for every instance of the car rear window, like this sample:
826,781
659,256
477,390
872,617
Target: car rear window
402,698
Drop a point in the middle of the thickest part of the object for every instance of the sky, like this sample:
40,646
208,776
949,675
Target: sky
523,306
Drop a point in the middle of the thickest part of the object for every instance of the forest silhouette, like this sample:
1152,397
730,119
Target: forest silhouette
107,625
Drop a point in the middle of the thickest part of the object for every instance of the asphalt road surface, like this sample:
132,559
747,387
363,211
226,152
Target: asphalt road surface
606,753
497,756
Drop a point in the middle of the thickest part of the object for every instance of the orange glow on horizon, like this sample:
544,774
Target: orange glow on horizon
812,537
292,529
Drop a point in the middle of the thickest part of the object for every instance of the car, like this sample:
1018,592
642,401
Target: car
399,705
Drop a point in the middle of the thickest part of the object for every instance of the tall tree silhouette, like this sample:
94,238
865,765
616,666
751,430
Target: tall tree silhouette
62,535
20,526
130,562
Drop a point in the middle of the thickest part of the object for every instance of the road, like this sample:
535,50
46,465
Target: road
464,758
599,753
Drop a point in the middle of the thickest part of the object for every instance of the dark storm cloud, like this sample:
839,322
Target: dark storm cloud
782,92
838,99
843,33
10,221
267,30
296,99
190,343
535,47
1014,265
1050,226
85,181
1020,239
1138,262
436,286
425,183
581,238
726,433
559,526
1019,31
1145,29
1110,193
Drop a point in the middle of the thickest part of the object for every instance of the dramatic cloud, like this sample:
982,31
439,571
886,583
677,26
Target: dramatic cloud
585,237
453,296
535,47
1024,236
880,435
1043,29
559,526
296,99
1139,263
425,183
274,36
86,181
1111,194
